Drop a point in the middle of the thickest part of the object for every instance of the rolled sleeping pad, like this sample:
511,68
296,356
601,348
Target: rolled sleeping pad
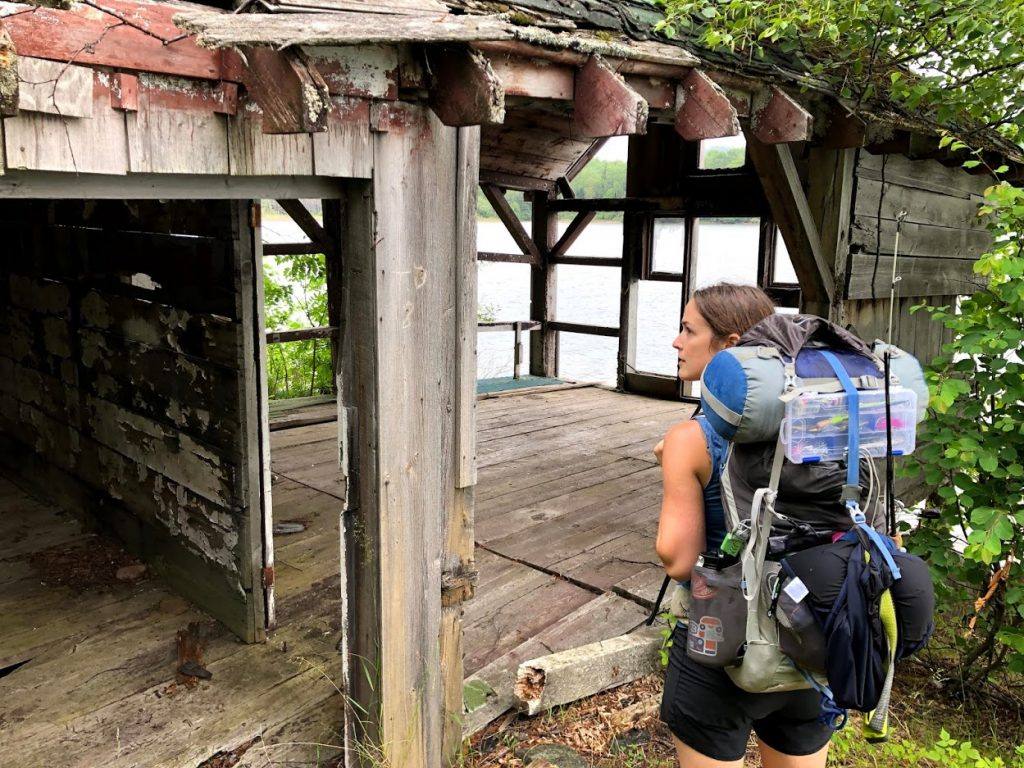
741,386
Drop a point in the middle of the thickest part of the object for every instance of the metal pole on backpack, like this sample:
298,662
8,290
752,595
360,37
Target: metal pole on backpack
890,470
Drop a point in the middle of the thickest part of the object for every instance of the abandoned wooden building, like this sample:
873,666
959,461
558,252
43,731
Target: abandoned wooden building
137,141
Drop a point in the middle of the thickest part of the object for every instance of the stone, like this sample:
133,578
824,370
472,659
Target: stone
554,755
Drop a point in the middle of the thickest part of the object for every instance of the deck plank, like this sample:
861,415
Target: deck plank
567,498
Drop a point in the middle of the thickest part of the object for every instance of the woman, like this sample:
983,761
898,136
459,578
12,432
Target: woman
710,718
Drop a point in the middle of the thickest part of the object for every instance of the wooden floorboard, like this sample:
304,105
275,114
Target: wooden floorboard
566,516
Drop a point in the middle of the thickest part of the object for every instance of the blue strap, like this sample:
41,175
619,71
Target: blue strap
853,433
832,714
883,548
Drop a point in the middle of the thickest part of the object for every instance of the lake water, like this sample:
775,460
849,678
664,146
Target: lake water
590,294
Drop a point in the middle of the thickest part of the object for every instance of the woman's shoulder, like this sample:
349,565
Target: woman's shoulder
684,444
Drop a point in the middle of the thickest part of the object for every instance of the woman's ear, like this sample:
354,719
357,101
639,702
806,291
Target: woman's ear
731,340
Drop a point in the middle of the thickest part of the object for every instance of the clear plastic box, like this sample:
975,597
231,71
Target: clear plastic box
816,426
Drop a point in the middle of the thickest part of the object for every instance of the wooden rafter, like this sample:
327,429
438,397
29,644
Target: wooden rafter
777,118
703,111
309,225
572,232
465,91
792,213
604,105
290,91
496,197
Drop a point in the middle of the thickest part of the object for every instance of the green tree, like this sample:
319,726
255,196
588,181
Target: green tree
958,66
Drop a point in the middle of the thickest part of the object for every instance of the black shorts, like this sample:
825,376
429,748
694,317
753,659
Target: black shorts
707,712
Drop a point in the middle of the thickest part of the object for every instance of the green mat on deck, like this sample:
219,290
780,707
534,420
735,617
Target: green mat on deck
485,386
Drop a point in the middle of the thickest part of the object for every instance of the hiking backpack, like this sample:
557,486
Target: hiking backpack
789,492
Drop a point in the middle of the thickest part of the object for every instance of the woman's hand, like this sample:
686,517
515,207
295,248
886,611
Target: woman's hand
658,449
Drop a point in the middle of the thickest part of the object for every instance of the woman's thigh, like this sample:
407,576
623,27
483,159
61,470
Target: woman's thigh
691,758
772,758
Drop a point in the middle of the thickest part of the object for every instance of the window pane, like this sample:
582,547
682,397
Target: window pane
582,357
658,312
588,294
668,245
726,250
783,272
599,238
503,294
605,175
727,152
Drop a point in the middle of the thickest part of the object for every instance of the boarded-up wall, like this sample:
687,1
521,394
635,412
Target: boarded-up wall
121,386
941,236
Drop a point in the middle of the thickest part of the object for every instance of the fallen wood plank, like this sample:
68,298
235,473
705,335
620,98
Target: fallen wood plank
567,676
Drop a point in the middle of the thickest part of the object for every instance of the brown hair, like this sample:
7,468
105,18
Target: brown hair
730,308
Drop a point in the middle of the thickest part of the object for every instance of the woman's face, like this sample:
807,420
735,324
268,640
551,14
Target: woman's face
696,344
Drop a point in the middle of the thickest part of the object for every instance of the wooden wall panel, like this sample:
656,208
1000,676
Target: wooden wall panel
941,235
121,369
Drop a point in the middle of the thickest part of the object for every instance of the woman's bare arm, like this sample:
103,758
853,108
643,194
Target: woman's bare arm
685,467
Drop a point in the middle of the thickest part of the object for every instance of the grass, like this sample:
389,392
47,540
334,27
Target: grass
920,718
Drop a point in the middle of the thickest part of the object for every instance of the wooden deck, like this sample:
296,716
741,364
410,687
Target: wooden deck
566,510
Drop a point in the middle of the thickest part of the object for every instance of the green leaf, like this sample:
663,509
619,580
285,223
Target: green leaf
988,462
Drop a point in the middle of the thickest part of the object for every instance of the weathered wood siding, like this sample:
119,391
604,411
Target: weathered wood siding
121,351
941,238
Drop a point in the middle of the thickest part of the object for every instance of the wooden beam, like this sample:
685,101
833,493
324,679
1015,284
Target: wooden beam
310,227
830,196
675,64
580,162
514,181
633,240
496,197
524,325
400,253
567,676
564,188
590,330
572,233
777,118
290,91
604,105
302,334
843,129
465,89
791,212
703,111
8,75
290,249
543,290
532,78
507,258
587,261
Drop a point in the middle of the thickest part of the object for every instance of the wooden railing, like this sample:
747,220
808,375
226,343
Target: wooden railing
517,327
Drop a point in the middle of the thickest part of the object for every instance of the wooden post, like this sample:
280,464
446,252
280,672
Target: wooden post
257,530
404,249
459,575
632,258
830,196
517,351
332,216
543,290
